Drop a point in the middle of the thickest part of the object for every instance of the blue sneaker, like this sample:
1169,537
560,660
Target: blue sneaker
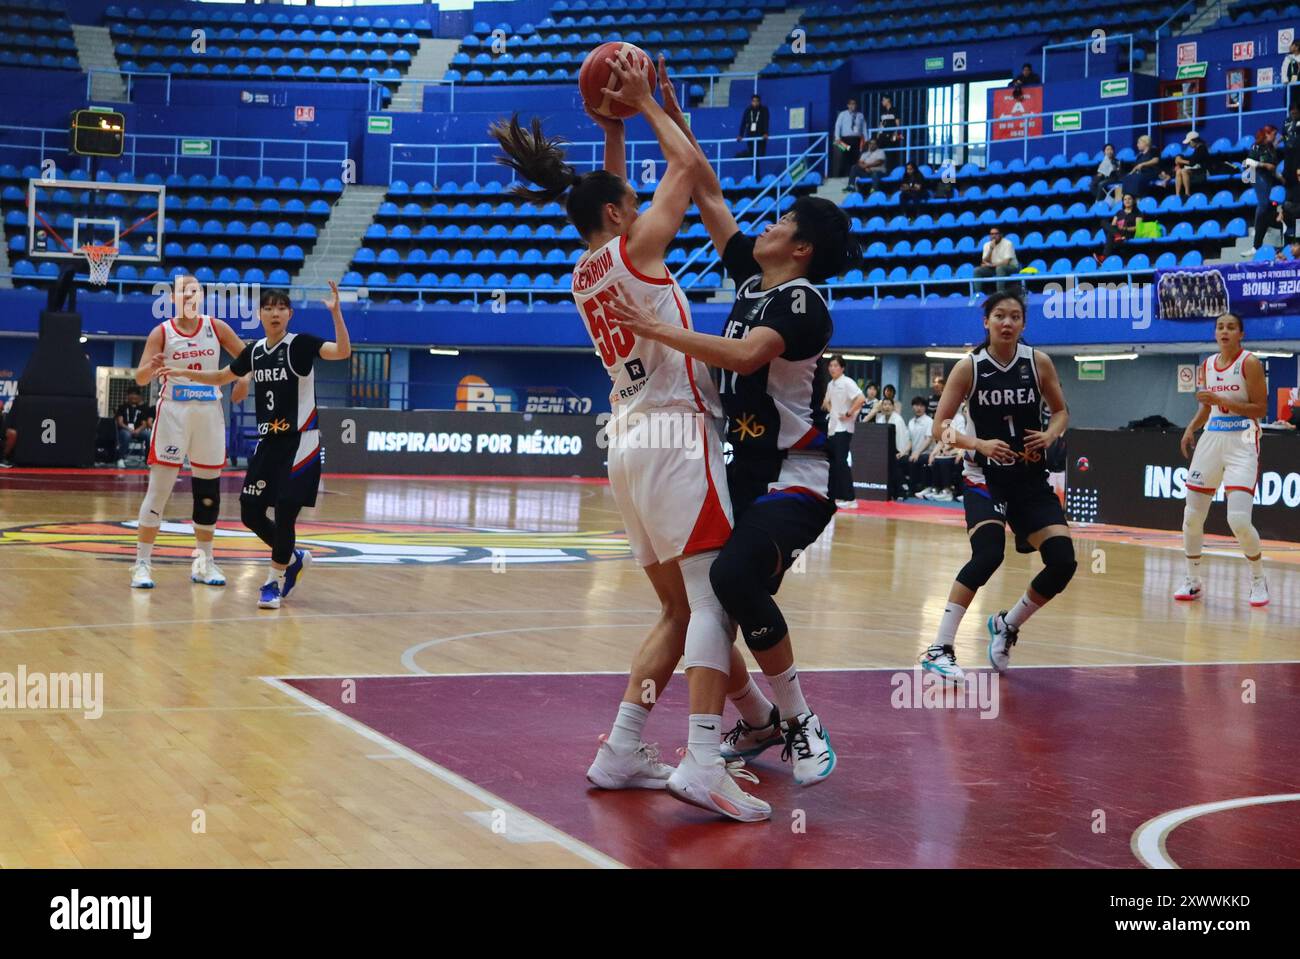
301,560
270,598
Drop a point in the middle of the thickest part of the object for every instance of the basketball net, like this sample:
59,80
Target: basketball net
100,256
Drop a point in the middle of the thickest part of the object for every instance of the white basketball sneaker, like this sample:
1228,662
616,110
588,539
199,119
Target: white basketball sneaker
942,661
206,571
141,576
746,741
714,787
1259,591
1191,589
1002,636
808,746
639,769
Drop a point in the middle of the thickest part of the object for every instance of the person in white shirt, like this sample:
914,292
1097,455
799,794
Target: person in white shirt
944,461
842,402
999,257
886,411
850,131
871,164
918,430
1290,73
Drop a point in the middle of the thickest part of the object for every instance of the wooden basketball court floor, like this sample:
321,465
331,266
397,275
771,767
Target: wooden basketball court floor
432,694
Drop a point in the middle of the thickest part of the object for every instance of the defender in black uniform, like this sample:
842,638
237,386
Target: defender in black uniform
285,469
1007,385
771,379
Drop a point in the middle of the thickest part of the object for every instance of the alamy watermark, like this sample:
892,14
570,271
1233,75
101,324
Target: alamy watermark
656,430
1077,300
918,689
58,691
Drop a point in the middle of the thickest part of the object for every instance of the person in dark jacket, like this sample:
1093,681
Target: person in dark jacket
1123,225
1190,172
753,128
914,189
1262,161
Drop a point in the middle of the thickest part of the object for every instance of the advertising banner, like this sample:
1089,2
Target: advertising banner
1247,289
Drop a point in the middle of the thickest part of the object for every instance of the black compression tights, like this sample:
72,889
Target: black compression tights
279,534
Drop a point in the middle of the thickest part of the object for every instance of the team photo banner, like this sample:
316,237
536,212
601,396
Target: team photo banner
1246,289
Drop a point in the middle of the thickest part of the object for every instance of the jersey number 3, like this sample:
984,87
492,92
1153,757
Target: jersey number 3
611,344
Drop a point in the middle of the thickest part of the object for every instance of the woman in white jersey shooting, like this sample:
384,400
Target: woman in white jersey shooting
190,423
1233,396
673,498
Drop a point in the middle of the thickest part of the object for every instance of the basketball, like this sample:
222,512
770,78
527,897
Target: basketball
1082,464
595,76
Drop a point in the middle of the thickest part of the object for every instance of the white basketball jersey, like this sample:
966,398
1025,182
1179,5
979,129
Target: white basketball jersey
646,374
1231,383
202,351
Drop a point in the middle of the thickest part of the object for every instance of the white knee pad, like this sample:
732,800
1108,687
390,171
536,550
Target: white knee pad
161,481
1240,505
708,635
1194,513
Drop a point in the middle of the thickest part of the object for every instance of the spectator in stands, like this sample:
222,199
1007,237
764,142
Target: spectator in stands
888,132
1291,140
1288,212
1262,160
1108,173
945,468
1026,77
913,190
872,163
850,131
918,431
842,403
1290,74
1190,171
999,259
1121,228
1145,170
133,421
936,392
1290,253
887,412
872,397
753,128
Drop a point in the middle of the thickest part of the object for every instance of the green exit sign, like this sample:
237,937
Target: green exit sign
1192,71
1070,120
1092,369
1117,87
379,124
934,63
196,148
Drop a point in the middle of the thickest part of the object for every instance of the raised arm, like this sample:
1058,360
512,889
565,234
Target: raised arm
339,348
151,358
615,142
654,230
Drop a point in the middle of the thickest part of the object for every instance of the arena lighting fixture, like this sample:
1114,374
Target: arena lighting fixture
1268,354
868,357
437,352
86,339
1082,357
946,355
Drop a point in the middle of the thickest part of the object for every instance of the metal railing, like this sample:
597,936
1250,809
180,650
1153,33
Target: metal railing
784,148
170,150
1189,7
1089,50
130,79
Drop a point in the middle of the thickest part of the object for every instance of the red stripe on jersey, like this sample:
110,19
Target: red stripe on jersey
627,261
1215,361
799,489
690,366
806,439
1200,489
712,528
306,458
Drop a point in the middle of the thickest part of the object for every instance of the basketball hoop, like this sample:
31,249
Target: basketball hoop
100,256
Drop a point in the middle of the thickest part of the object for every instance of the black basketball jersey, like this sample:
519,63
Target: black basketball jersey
778,407
284,384
1004,402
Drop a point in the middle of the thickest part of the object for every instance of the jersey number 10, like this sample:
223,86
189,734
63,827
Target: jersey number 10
612,344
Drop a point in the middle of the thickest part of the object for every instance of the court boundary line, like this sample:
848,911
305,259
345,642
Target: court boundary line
1148,840
802,669
476,792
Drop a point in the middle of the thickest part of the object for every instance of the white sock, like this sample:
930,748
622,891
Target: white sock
143,552
755,708
275,576
1257,567
705,738
626,734
1024,608
786,693
952,614
1194,567
205,547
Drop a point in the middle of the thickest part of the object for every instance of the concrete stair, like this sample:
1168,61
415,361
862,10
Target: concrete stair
429,63
1205,17
772,31
835,189
342,236
95,53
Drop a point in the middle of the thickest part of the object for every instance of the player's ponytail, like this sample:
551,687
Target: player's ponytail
539,159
